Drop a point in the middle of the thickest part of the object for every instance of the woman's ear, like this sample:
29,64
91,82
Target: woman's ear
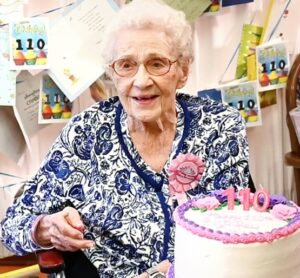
185,68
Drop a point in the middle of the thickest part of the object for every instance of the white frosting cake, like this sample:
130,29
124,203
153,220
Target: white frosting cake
216,242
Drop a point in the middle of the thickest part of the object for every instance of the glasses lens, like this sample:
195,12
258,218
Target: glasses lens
158,66
125,67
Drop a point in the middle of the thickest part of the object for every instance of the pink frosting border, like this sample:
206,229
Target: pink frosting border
230,238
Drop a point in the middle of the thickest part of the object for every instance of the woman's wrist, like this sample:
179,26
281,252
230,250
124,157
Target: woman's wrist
35,235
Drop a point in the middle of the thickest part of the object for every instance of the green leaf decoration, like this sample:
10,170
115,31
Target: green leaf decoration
224,205
219,208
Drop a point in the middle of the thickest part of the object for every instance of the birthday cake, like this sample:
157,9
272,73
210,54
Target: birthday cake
245,235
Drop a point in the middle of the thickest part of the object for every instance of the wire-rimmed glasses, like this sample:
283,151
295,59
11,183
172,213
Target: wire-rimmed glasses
127,67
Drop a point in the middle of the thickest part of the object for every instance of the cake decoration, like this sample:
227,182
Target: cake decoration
263,239
282,211
184,174
207,203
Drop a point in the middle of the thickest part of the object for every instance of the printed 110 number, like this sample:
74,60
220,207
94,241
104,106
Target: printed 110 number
240,105
40,44
272,66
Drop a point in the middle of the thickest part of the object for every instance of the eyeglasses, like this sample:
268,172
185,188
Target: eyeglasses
155,66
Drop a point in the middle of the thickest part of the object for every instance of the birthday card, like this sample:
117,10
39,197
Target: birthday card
54,106
76,40
214,94
272,65
192,8
250,39
244,97
27,103
29,45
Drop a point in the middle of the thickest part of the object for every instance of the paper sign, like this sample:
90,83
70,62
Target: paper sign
191,8
54,106
244,97
272,65
267,98
7,77
27,104
29,46
227,3
250,38
76,42
211,93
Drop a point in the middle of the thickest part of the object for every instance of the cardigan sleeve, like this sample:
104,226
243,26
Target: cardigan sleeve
58,183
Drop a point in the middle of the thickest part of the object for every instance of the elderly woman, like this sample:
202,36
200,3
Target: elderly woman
103,187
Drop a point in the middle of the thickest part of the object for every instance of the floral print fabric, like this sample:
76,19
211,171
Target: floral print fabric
94,167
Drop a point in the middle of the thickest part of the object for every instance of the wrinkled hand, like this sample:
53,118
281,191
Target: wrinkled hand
64,230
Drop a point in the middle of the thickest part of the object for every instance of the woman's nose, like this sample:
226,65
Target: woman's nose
142,77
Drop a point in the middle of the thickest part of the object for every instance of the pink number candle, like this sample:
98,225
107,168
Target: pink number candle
246,198
266,203
230,197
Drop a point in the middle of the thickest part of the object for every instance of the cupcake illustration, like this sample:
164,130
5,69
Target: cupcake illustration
41,58
273,77
282,76
66,110
30,57
264,80
47,111
57,111
252,116
19,58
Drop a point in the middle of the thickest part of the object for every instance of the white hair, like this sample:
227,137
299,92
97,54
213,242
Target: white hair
142,14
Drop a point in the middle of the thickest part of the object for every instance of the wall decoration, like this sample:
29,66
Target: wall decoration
250,38
272,65
227,3
54,106
192,8
244,96
267,98
76,40
214,94
29,46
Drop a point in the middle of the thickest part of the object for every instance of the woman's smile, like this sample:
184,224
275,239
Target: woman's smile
145,100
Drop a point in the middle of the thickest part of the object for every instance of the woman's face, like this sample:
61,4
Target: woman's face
144,96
